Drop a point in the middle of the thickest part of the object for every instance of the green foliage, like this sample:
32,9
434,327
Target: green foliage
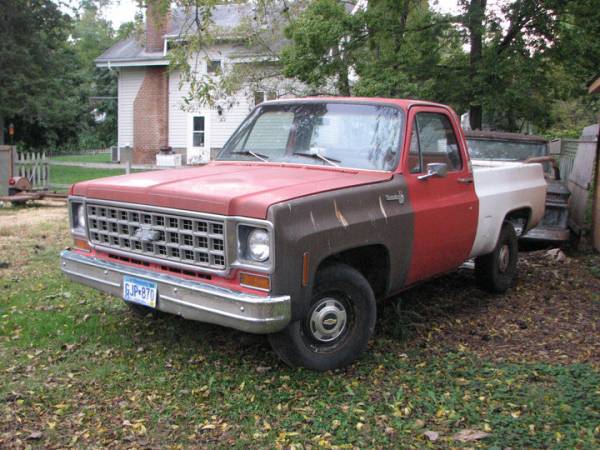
314,58
530,55
66,175
569,117
40,78
48,74
83,371
90,157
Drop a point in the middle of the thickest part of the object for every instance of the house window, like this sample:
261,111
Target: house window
198,132
172,44
262,96
213,66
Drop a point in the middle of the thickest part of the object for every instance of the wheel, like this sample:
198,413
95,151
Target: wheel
337,326
496,272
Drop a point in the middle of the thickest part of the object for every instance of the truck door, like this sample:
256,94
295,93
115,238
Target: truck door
445,207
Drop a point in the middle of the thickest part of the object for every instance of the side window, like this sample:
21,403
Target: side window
437,142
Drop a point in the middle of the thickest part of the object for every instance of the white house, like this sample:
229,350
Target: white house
151,110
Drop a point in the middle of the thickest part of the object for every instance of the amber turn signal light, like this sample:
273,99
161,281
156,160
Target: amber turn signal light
255,281
81,244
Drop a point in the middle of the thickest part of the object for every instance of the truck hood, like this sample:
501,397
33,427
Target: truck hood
227,188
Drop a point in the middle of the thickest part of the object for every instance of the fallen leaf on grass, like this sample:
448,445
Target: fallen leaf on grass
432,435
469,435
35,435
419,423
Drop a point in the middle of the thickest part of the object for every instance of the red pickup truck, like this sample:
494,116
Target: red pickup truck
314,209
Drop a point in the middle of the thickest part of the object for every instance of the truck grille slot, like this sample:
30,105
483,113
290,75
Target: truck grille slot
188,240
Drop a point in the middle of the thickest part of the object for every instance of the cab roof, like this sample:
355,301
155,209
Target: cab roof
403,103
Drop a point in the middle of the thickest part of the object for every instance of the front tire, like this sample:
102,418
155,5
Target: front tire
496,272
338,324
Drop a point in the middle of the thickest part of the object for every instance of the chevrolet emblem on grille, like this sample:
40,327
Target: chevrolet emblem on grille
146,234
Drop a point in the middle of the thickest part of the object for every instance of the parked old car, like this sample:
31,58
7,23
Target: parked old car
314,209
502,146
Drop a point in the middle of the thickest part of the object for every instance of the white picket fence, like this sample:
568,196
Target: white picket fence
34,167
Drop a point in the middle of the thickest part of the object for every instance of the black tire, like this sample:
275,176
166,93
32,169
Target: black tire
496,272
343,313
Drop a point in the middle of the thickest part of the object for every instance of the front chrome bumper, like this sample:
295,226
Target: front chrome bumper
190,299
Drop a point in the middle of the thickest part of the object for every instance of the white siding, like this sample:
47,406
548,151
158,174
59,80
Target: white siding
221,126
178,122
130,81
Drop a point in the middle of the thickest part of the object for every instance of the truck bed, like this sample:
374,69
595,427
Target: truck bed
502,187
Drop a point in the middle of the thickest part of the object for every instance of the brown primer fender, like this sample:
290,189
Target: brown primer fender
328,223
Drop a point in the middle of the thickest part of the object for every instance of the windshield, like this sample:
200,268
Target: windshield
356,136
505,150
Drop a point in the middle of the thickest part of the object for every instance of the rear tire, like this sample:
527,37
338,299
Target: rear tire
338,324
496,272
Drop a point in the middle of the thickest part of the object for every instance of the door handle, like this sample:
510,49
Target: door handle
466,180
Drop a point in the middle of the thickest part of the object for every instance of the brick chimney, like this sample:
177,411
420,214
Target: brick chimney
156,25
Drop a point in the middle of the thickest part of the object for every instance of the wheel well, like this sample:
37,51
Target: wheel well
519,218
371,261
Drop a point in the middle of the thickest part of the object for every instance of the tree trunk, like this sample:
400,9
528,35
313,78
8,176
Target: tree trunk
1,130
475,117
343,84
475,18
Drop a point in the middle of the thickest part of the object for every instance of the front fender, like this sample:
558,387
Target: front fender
328,223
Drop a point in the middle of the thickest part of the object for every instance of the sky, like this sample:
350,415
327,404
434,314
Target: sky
121,11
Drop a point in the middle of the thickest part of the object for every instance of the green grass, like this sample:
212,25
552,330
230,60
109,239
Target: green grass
79,368
70,175
92,158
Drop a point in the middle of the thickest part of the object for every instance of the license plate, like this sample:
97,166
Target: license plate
139,291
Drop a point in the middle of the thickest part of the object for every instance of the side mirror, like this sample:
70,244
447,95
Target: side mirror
435,170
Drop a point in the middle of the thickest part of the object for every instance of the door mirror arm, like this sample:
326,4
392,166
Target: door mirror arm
435,170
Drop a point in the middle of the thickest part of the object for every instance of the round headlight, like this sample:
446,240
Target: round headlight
258,245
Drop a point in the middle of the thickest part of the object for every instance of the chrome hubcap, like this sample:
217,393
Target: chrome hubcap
327,320
503,258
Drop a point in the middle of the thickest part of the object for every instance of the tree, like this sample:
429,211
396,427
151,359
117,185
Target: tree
39,86
506,63
91,35
48,74
322,39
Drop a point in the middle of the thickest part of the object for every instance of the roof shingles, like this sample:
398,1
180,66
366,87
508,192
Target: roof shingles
131,50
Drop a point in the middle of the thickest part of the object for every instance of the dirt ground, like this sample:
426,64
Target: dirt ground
78,370
552,315
35,226
27,216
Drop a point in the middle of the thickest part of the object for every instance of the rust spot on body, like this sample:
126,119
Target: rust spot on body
382,209
339,215
312,219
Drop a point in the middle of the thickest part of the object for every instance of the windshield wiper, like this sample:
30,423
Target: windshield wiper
314,153
257,155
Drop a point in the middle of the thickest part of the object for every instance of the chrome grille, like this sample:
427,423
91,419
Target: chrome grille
172,237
